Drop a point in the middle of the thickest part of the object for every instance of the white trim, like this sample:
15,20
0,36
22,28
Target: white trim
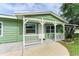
31,35
1,28
5,16
23,43
42,32
23,32
55,31
64,30
43,20
34,19
25,21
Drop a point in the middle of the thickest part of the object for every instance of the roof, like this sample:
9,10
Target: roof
71,24
33,13
39,13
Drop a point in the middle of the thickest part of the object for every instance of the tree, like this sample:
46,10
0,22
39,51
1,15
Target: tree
70,11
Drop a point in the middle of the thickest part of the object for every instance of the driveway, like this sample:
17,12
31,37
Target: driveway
48,48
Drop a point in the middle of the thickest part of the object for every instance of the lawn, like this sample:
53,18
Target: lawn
73,48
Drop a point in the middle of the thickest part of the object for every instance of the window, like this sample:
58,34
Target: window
1,29
52,28
31,28
49,29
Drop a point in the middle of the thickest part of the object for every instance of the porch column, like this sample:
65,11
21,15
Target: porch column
24,21
64,31
23,41
23,32
55,31
42,30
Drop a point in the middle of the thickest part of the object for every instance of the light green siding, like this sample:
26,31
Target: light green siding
11,30
45,17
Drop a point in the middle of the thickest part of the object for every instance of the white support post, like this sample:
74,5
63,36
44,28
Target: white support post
23,44
23,31
42,30
64,30
42,34
55,31
24,22
23,35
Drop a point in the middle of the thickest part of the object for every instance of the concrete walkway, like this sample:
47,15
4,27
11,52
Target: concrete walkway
48,48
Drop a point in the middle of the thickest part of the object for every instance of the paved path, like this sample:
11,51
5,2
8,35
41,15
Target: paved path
48,48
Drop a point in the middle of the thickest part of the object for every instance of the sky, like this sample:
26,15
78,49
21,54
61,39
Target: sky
11,8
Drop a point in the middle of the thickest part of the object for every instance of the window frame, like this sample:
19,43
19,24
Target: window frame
1,28
50,30
47,29
36,29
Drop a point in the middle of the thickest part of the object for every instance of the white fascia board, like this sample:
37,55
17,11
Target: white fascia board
5,16
59,17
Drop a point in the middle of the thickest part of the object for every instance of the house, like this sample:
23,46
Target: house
32,27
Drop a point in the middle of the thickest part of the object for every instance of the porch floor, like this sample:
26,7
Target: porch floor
48,48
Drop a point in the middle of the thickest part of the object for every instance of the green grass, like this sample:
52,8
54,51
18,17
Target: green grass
73,48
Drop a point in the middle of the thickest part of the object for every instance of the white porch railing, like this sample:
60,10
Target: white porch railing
32,39
59,36
49,36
